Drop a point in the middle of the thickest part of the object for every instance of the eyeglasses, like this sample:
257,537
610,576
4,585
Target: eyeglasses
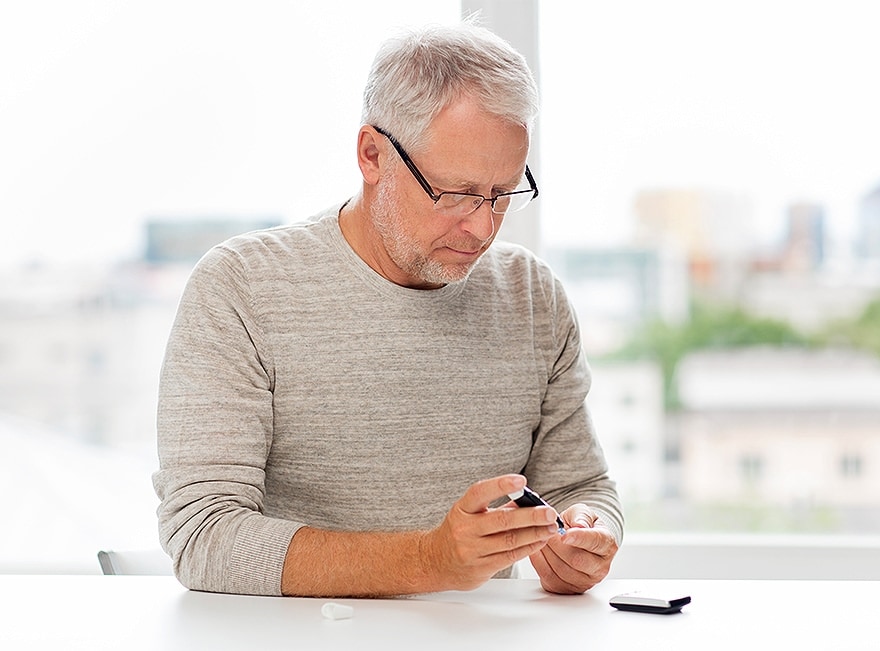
460,204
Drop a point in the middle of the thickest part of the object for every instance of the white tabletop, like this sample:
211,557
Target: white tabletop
123,612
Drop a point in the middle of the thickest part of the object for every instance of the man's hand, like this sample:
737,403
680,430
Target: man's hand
575,562
474,542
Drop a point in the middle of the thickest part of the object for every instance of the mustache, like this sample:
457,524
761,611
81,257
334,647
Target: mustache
470,245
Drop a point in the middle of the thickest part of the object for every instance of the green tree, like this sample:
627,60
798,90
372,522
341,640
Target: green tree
862,332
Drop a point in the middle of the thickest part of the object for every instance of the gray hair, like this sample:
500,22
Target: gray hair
417,74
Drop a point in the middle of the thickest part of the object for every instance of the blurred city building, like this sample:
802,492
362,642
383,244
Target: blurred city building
779,426
613,291
185,240
626,404
81,348
798,283
868,239
713,229
803,250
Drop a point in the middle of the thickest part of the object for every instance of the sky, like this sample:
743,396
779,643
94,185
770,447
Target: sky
770,99
112,113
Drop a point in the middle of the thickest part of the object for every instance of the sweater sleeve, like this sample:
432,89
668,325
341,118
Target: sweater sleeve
567,464
214,435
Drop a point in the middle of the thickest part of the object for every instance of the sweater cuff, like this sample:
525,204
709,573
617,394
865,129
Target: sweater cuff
258,555
612,523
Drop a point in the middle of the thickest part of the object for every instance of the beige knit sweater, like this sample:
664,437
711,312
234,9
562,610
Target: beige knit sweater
300,387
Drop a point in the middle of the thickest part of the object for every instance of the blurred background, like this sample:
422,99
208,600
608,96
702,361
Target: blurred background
710,196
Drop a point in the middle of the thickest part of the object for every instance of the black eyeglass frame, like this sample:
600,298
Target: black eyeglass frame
533,187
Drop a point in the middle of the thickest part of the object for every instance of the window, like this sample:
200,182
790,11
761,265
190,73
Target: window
709,194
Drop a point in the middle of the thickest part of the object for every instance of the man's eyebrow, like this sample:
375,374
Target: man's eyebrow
512,185
463,185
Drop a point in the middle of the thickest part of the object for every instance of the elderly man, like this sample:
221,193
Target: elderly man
347,402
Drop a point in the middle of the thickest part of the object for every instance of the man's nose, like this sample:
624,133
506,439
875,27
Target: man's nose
481,222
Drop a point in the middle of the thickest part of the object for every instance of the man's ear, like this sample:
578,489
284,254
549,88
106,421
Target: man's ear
369,154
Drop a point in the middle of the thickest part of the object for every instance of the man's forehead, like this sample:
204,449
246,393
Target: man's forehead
477,152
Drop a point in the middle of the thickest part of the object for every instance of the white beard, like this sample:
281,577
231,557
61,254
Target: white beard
403,250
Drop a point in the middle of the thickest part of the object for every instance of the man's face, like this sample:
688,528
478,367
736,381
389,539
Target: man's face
467,151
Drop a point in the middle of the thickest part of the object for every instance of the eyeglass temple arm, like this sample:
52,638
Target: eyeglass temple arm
409,163
531,180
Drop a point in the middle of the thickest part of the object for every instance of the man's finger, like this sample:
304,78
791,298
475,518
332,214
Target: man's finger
480,495
597,540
